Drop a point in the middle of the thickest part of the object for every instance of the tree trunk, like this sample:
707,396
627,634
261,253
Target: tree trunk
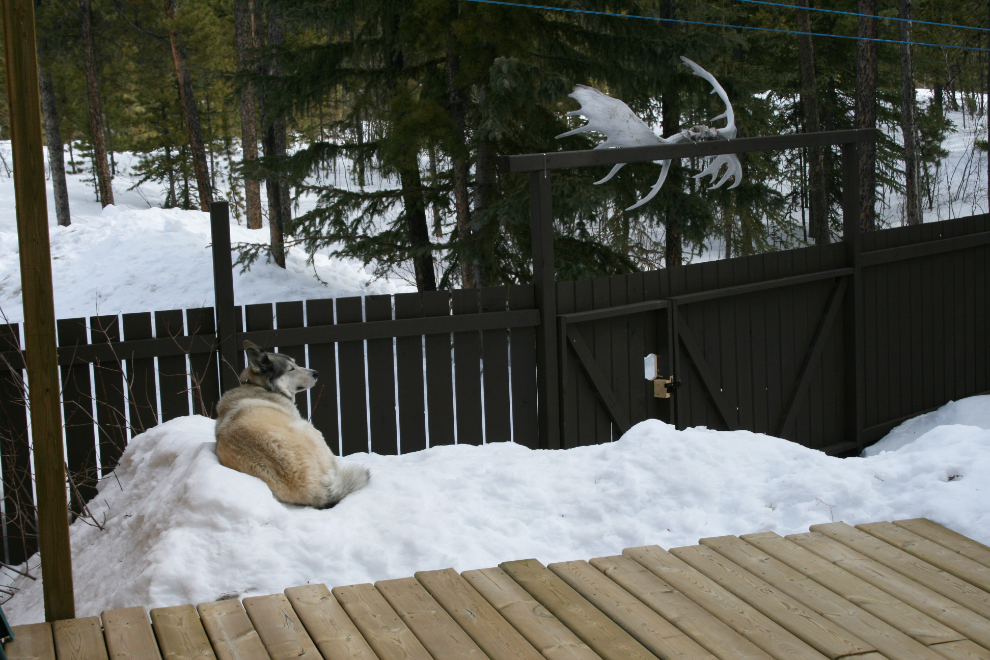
459,153
189,109
866,113
817,194
244,40
56,153
279,205
912,204
104,180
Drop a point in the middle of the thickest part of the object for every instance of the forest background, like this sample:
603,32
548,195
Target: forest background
391,114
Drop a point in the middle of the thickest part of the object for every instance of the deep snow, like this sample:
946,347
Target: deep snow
181,528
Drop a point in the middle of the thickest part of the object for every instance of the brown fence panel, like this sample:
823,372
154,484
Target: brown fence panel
439,384
409,371
173,378
290,315
353,400
381,380
108,383
323,358
142,400
204,374
522,357
77,407
20,529
467,371
495,369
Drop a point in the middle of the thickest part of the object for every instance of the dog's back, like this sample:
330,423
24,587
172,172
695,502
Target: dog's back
260,432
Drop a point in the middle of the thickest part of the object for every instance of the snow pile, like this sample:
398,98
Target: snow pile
974,411
181,528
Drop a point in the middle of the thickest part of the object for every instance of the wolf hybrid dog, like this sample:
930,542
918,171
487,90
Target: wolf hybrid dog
259,432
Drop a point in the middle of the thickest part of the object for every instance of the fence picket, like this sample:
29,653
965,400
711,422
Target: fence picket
409,371
204,373
20,528
108,384
467,371
173,380
495,371
77,408
353,400
522,356
323,358
381,380
439,383
290,315
142,399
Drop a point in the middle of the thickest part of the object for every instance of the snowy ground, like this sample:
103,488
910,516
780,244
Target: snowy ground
181,528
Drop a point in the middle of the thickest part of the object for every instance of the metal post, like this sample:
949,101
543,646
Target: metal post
223,291
39,312
541,223
855,378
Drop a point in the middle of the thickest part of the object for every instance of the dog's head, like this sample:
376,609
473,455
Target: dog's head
276,372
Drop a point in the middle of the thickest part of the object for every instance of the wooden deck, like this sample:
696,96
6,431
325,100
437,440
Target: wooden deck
904,590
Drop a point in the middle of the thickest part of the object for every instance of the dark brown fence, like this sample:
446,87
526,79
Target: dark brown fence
830,346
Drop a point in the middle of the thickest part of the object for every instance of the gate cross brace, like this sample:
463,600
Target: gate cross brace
598,380
707,377
814,353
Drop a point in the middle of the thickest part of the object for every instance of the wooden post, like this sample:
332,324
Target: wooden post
855,378
39,313
544,283
223,292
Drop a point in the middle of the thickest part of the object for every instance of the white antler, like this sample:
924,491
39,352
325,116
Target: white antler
622,128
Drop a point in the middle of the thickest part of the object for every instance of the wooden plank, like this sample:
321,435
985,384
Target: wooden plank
173,379
409,371
638,325
495,369
77,404
31,642
621,358
141,399
334,634
381,380
935,605
567,369
522,355
948,560
180,634
439,385
646,626
79,639
279,628
962,650
604,636
204,374
588,408
823,635
947,538
128,634
467,371
290,315
493,634
724,606
721,640
353,399
429,622
600,343
230,631
920,571
910,621
540,628
18,489
874,632
108,384
381,627
323,358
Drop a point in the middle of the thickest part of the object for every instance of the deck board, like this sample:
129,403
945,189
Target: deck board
334,634
935,605
279,628
549,636
180,634
902,590
720,640
380,626
31,642
910,566
947,538
441,636
128,634
604,636
496,636
79,639
834,608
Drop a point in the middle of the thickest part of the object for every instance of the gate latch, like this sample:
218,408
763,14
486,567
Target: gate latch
662,387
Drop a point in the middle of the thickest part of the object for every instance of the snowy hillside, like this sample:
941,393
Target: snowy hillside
180,528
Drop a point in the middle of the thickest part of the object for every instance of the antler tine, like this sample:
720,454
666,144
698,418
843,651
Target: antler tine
730,130
733,170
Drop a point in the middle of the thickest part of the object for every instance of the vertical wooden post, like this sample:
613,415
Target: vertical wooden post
544,282
855,378
223,291
39,313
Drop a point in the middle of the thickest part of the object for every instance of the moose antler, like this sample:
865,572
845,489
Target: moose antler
622,128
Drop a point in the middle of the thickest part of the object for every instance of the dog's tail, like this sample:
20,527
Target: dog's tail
350,477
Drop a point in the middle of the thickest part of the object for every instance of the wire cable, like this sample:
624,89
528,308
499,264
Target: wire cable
722,25
852,13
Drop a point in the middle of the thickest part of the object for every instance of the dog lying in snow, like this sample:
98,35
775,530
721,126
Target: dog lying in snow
260,432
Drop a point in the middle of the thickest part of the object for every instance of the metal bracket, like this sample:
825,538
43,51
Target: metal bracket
664,387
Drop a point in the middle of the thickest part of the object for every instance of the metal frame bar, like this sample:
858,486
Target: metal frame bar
558,160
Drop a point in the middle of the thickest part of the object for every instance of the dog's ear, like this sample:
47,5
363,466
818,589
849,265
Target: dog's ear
258,360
